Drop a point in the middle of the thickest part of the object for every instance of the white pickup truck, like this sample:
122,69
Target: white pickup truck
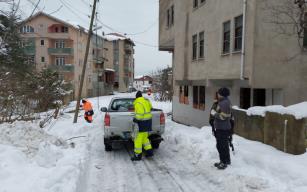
119,126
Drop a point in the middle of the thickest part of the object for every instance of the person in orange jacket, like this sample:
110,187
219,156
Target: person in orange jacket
88,110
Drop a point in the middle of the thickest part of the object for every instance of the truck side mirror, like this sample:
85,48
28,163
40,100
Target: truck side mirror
103,109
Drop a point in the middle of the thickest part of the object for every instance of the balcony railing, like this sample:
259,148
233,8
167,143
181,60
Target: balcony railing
60,51
128,48
63,68
29,50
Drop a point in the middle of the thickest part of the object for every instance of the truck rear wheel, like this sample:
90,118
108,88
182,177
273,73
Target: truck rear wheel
108,147
155,145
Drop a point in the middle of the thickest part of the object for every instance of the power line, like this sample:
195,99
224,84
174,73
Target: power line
56,10
145,31
72,11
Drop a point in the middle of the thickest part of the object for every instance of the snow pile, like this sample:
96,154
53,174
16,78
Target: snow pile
298,110
50,164
189,148
26,136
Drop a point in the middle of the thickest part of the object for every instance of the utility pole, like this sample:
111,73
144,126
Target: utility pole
85,62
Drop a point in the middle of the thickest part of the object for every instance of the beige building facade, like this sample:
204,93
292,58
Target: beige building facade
58,45
221,43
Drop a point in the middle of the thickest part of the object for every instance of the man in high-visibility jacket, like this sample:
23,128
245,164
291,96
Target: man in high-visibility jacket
143,118
88,110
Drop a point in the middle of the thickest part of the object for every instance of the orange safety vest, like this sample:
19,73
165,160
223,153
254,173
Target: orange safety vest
87,106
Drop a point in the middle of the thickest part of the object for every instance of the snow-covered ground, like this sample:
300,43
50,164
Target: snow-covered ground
32,160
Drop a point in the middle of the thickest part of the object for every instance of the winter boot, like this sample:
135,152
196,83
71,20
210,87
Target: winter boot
222,166
136,157
149,153
217,164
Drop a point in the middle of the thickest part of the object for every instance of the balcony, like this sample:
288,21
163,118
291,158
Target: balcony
61,51
29,50
63,68
128,49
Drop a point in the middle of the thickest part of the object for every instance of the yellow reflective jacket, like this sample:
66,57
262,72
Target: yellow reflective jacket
142,108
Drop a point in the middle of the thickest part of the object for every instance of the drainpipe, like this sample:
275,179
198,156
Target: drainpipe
285,135
243,40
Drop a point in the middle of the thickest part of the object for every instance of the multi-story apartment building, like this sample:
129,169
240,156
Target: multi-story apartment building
222,43
52,43
120,49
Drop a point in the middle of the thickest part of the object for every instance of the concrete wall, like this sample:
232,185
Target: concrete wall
271,130
166,34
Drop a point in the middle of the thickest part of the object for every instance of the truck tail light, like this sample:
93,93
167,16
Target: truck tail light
107,120
162,119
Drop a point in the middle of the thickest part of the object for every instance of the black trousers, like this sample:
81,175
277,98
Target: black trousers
222,145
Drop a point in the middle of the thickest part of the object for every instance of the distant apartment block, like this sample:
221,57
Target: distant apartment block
58,45
222,43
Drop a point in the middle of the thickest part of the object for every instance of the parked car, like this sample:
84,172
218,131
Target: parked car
119,126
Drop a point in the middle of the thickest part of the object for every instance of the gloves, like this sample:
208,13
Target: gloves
213,112
135,120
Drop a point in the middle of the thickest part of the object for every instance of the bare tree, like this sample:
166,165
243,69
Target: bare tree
289,17
162,84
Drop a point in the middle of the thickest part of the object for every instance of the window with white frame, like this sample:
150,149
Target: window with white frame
201,44
59,44
238,33
27,29
194,47
226,37
60,61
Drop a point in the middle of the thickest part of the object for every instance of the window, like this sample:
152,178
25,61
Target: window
195,3
195,97
305,33
42,42
172,15
60,44
201,45
89,78
199,95
27,29
168,22
60,61
186,95
181,96
42,59
238,33
194,47
56,30
202,97
64,29
226,37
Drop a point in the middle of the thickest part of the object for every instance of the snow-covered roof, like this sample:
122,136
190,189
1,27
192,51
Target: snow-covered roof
299,110
108,69
112,37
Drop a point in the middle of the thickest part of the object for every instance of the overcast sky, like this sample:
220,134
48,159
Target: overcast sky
124,16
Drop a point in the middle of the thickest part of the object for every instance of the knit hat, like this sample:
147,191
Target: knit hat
224,92
138,94
83,101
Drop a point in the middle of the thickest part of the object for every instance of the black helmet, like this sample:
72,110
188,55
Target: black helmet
138,94
224,92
